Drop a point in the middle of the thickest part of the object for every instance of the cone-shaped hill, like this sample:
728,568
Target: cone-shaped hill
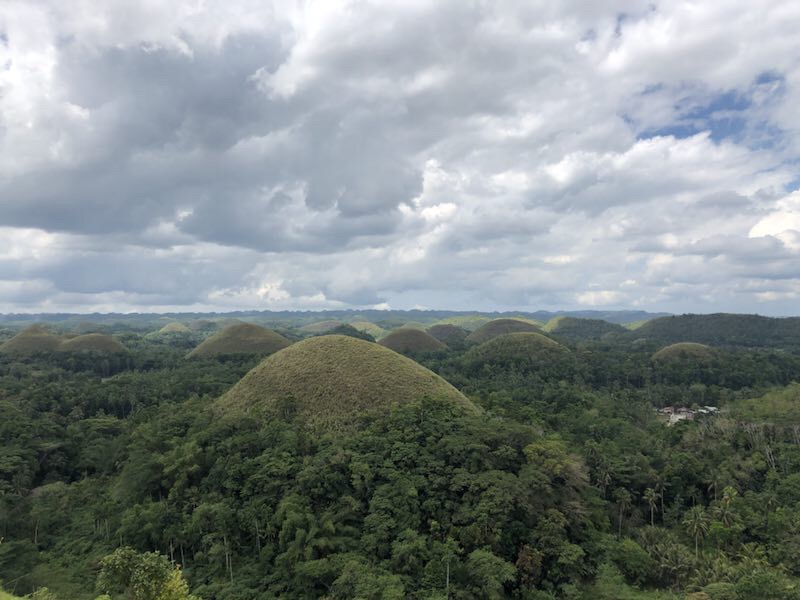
92,342
242,338
37,339
492,329
320,326
331,380
31,340
524,351
575,329
684,351
374,330
448,334
174,327
411,341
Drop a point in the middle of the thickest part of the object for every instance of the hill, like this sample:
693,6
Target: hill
374,330
331,380
411,341
92,342
320,326
413,325
492,329
683,351
468,322
575,329
525,351
31,340
349,330
723,330
448,334
241,338
174,327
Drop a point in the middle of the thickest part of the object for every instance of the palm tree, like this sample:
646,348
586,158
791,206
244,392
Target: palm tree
651,497
696,523
723,511
623,499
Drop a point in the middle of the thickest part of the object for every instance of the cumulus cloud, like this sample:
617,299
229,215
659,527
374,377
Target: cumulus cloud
508,155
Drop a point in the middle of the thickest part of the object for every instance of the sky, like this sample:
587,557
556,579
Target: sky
451,154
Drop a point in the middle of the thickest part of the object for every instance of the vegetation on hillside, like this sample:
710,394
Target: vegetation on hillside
574,330
724,330
203,478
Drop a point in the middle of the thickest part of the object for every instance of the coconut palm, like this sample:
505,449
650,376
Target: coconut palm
651,497
696,523
623,499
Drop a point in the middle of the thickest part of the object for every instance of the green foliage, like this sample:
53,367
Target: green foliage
565,485
142,576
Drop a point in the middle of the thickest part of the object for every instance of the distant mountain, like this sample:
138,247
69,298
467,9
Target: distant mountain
288,318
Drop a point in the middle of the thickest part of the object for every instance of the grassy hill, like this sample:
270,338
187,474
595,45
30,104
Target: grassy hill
241,338
31,340
92,342
374,330
320,326
411,341
497,327
468,322
723,330
574,329
174,327
329,381
448,334
684,350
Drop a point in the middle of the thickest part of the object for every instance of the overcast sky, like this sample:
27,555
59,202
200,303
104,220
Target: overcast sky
227,154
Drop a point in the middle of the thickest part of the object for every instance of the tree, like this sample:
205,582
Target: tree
622,498
147,576
651,497
696,523
488,573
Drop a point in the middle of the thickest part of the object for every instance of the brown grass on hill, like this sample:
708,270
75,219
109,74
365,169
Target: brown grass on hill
497,327
241,338
320,326
174,327
448,334
37,339
329,381
92,342
411,341
683,350
31,340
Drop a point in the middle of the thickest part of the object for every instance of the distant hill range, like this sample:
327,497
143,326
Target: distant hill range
723,329
388,318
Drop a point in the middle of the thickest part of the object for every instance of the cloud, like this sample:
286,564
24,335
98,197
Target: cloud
248,154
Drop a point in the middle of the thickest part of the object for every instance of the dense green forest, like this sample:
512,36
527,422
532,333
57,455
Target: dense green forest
120,477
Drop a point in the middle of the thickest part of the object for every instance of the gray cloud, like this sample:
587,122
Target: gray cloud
443,154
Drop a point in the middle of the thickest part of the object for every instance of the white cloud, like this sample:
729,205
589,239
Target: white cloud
326,154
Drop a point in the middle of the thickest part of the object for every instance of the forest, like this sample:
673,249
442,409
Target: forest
589,464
